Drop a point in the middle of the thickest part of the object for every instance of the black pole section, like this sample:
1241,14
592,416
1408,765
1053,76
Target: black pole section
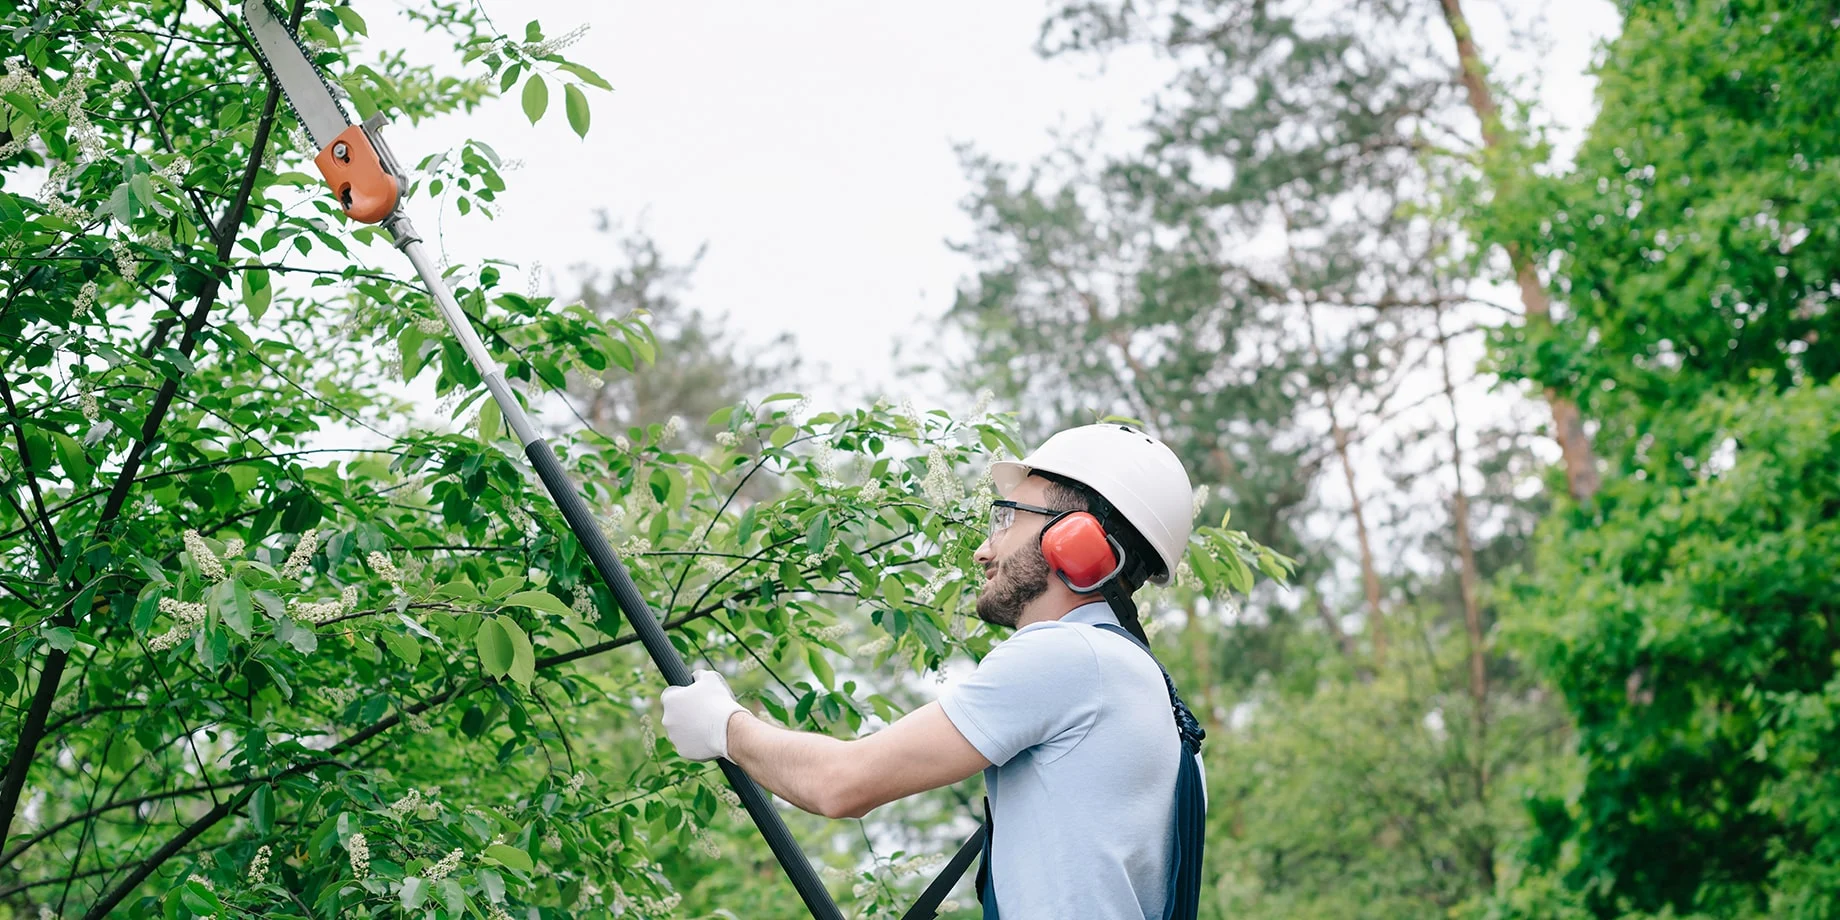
651,635
927,907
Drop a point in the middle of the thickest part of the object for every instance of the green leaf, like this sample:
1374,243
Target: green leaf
533,31
536,97
404,647
503,586
414,892
257,293
782,435
539,600
820,668
61,638
509,856
75,462
745,528
818,535
496,652
523,659
587,76
262,809
353,22
491,420
575,103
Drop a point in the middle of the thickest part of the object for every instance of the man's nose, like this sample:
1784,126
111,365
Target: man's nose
984,555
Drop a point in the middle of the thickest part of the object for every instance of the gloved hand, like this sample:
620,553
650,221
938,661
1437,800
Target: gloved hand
696,716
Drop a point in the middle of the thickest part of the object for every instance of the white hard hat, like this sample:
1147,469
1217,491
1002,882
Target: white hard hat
1139,475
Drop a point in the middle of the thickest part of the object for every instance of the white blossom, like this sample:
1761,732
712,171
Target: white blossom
1185,575
1201,497
583,602
446,866
170,638
550,46
727,438
126,262
187,613
430,325
258,867
360,850
86,298
175,171
635,546
348,598
298,560
208,564
406,805
195,877
874,647
672,426
870,493
827,467
386,568
314,614
575,783
942,488
984,398
233,548
830,633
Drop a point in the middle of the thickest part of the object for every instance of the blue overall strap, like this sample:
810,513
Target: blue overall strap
1182,897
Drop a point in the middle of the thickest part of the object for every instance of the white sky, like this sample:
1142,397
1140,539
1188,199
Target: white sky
809,143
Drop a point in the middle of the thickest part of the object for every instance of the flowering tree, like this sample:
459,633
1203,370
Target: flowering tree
280,639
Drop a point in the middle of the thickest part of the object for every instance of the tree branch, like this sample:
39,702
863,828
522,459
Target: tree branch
31,732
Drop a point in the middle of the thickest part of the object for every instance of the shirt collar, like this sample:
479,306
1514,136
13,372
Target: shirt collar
1091,614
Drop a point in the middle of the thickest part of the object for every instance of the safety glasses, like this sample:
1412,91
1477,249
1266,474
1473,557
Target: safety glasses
1003,513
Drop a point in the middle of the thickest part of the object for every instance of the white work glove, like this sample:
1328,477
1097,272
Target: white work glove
696,716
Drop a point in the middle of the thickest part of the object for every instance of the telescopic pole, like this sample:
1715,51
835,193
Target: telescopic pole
581,522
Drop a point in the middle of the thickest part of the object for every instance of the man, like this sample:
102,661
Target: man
1070,720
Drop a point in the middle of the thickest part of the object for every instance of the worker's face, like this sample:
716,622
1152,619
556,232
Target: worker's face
1014,571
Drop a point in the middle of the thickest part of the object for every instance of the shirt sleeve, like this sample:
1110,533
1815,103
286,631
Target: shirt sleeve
1039,686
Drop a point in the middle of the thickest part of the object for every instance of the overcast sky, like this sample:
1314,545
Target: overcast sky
809,144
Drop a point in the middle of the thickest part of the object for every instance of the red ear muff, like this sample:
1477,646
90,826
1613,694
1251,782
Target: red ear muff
1078,549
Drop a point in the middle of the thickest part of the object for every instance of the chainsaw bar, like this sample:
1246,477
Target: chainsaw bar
307,90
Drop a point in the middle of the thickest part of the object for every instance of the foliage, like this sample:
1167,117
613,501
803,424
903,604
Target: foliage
283,636
1263,283
1686,616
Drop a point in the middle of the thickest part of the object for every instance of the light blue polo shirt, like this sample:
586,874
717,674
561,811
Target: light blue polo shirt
1075,721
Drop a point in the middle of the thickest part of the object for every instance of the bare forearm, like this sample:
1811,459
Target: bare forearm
803,768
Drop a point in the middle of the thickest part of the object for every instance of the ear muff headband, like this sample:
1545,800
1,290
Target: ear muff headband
1078,549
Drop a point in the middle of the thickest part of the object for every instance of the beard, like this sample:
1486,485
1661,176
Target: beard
1021,578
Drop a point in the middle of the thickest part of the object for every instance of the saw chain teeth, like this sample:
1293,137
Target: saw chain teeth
282,18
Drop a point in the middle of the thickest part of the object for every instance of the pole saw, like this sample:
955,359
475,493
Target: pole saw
367,180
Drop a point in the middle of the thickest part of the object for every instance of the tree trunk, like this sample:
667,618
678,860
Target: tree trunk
1370,577
1581,476
1467,581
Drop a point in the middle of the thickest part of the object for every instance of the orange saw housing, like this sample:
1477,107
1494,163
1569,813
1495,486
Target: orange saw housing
366,191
